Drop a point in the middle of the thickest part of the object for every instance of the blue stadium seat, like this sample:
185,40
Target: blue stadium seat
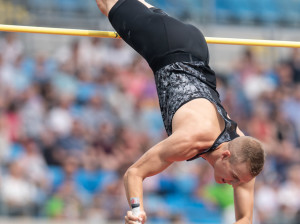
16,150
106,177
196,8
223,10
243,10
176,202
56,175
235,10
69,6
290,11
186,184
197,212
252,10
172,7
90,7
40,5
267,10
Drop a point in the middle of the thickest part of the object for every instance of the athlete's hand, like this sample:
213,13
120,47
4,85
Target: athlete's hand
130,219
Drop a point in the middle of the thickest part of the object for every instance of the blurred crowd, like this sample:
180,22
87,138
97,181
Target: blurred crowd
71,123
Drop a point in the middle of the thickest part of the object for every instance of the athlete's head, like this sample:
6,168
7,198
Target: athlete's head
240,161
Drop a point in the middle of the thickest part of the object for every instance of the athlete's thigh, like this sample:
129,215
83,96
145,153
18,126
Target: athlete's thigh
139,26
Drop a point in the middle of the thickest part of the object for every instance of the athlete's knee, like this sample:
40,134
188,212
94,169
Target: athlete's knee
105,5
101,5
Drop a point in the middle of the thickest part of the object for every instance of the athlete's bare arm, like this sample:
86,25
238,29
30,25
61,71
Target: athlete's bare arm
243,202
188,139
177,147
244,199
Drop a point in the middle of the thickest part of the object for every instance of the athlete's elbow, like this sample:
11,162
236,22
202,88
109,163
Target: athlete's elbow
127,174
132,173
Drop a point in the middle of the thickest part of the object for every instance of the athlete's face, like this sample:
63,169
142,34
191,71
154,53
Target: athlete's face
231,173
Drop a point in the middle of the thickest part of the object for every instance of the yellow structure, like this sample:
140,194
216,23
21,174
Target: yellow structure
110,34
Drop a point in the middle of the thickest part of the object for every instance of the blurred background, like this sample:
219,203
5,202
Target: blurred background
75,113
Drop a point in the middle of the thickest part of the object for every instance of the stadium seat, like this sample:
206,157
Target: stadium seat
16,151
243,10
69,6
197,212
40,5
223,11
56,176
267,11
290,11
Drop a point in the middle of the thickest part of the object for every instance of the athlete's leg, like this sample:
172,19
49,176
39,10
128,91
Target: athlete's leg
152,33
106,5
140,27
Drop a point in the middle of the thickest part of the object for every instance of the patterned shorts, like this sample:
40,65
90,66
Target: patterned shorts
181,82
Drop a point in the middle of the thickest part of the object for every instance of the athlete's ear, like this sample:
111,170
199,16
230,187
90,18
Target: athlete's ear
226,154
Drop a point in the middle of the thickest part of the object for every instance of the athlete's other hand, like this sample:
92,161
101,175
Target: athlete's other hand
130,219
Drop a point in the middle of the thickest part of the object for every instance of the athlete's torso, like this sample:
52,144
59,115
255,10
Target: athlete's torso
180,83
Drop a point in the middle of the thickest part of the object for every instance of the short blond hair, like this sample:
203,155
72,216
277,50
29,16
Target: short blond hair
248,149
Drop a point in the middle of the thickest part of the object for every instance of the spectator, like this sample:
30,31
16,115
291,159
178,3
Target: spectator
70,126
32,112
17,193
74,143
33,164
11,48
124,54
59,118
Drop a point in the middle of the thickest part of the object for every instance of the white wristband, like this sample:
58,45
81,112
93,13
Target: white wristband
136,212
135,205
